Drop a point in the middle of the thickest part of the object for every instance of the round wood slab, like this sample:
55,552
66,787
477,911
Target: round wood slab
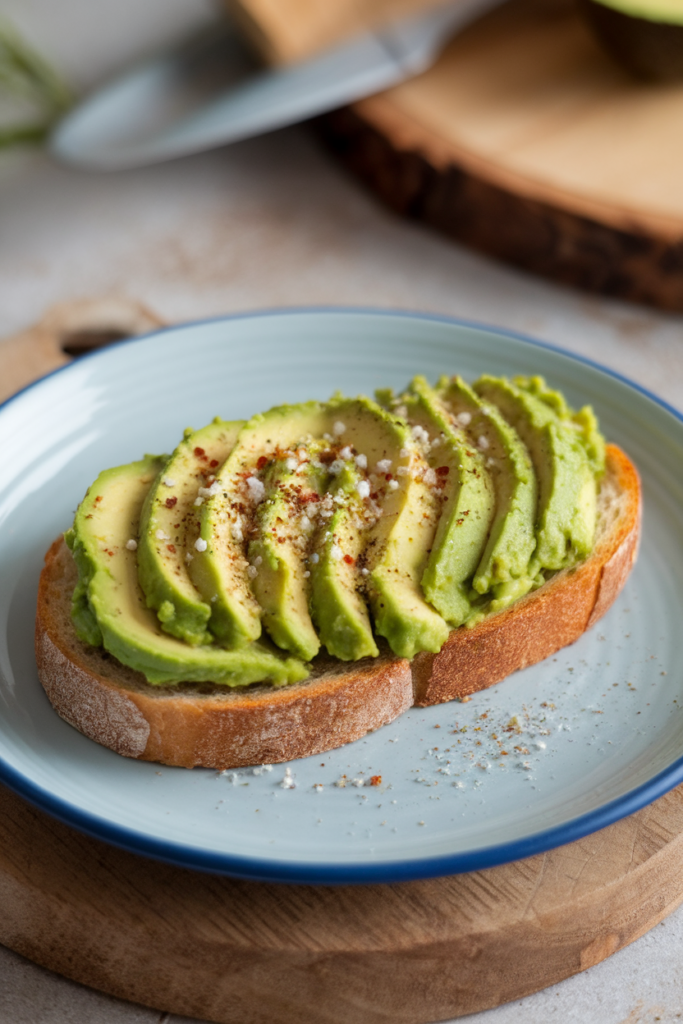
526,142
252,953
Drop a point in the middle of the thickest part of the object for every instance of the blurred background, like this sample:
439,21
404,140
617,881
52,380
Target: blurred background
276,220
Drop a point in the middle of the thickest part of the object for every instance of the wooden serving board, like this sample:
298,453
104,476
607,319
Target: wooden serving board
526,142
253,953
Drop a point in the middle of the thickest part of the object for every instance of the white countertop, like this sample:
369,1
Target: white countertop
275,222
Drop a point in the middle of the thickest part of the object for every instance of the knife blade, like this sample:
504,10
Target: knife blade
172,106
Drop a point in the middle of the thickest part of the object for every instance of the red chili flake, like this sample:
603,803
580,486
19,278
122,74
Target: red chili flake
443,471
200,453
213,463
348,559
262,462
170,502
376,780
327,457
281,540
388,476
312,496
98,498
89,516
171,548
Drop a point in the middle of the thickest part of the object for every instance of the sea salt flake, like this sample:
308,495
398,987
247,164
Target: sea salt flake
200,544
257,491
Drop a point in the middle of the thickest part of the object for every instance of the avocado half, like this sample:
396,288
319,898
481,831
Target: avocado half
644,36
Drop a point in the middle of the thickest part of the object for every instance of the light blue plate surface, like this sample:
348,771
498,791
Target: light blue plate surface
601,724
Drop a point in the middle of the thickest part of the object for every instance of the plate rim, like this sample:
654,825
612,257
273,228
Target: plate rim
271,869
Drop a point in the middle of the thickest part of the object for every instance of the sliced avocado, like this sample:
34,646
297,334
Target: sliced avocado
400,541
106,521
468,502
337,605
169,526
567,497
503,569
220,568
584,422
278,552
395,564
644,36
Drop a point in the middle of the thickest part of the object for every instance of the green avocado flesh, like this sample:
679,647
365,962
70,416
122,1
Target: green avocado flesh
106,523
566,511
277,555
169,526
463,484
503,570
337,606
331,524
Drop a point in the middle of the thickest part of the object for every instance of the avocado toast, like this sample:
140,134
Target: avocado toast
279,587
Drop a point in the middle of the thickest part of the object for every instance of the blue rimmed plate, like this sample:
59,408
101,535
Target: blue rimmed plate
590,735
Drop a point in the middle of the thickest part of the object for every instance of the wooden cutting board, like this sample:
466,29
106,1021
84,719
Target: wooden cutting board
252,953
526,142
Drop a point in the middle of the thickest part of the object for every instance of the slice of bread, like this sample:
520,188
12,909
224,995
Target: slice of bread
217,727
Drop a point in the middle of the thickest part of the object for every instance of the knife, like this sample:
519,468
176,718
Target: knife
210,93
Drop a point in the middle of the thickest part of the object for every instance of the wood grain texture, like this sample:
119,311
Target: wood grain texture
526,142
250,953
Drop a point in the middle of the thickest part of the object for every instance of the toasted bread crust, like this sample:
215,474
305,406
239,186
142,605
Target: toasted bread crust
213,726
204,724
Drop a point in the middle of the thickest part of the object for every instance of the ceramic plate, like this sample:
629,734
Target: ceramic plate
591,735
